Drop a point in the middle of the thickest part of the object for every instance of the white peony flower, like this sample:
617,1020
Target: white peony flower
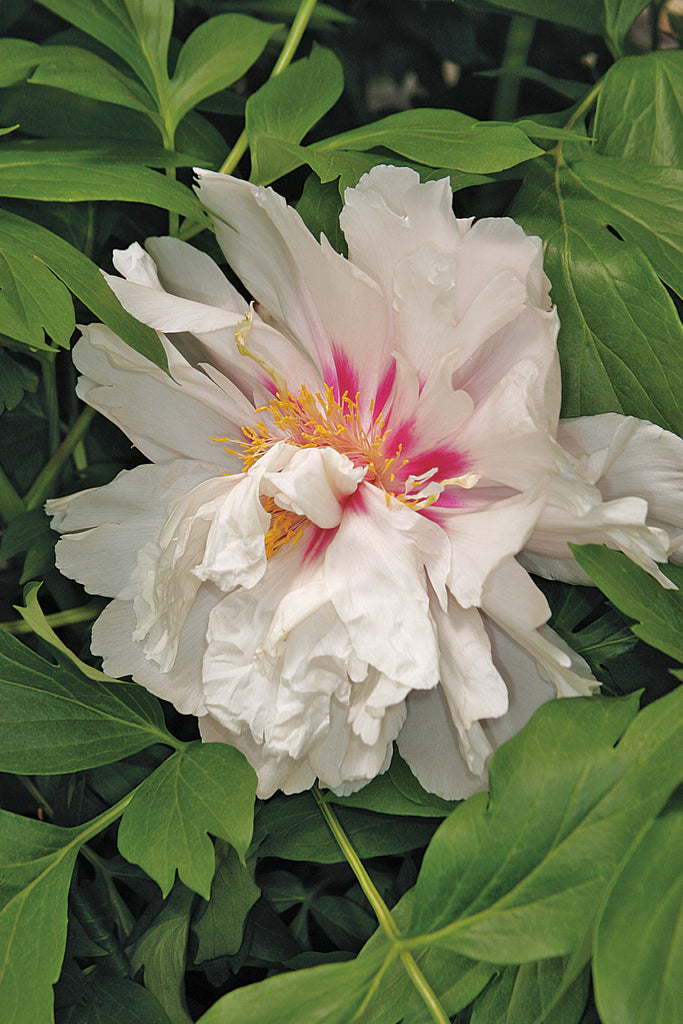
321,557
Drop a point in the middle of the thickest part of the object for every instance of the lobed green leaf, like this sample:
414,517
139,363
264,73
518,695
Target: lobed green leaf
638,957
516,876
205,787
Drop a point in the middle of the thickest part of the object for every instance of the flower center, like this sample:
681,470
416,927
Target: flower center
319,420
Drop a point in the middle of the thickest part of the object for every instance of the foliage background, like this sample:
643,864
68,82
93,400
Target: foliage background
559,898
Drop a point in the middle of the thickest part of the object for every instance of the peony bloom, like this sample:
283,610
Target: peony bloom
321,557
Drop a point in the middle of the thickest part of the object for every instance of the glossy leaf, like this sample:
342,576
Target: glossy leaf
292,828
218,52
441,138
36,862
204,788
160,952
568,805
115,1001
638,956
220,928
32,301
59,176
84,73
15,380
138,30
639,109
18,58
621,338
321,995
588,15
22,241
286,107
54,720
658,612
525,994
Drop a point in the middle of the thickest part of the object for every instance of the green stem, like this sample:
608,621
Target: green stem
45,480
585,105
47,362
11,504
301,20
517,45
69,617
28,784
382,912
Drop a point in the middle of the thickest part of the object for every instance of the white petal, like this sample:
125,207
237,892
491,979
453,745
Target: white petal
286,774
483,538
187,271
620,524
378,586
519,608
428,742
164,420
311,292
112,639
389,215
631,457
492,246
105,527
315,484
471,683
171,566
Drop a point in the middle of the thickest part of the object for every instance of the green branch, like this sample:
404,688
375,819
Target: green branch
382,913
301,20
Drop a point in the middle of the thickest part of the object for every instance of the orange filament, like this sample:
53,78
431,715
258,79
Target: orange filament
285,527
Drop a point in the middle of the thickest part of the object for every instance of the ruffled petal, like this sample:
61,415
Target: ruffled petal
519,608
375,571
112,640
389,215
482,538
625,456
163,419
429,744
105,527
318,298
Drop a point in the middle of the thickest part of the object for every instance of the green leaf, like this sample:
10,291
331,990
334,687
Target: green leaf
330,994
658,612
115,1001
24,247
18,58
84,73
215,55
205,787
15,380
320,206
441,138
161,951
619,16
638,957
516,876
287,106
640,108
397,791
138,30
521,995
292,828
587,15
54,720
220,927
32,301
621,338
36,863
59,175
